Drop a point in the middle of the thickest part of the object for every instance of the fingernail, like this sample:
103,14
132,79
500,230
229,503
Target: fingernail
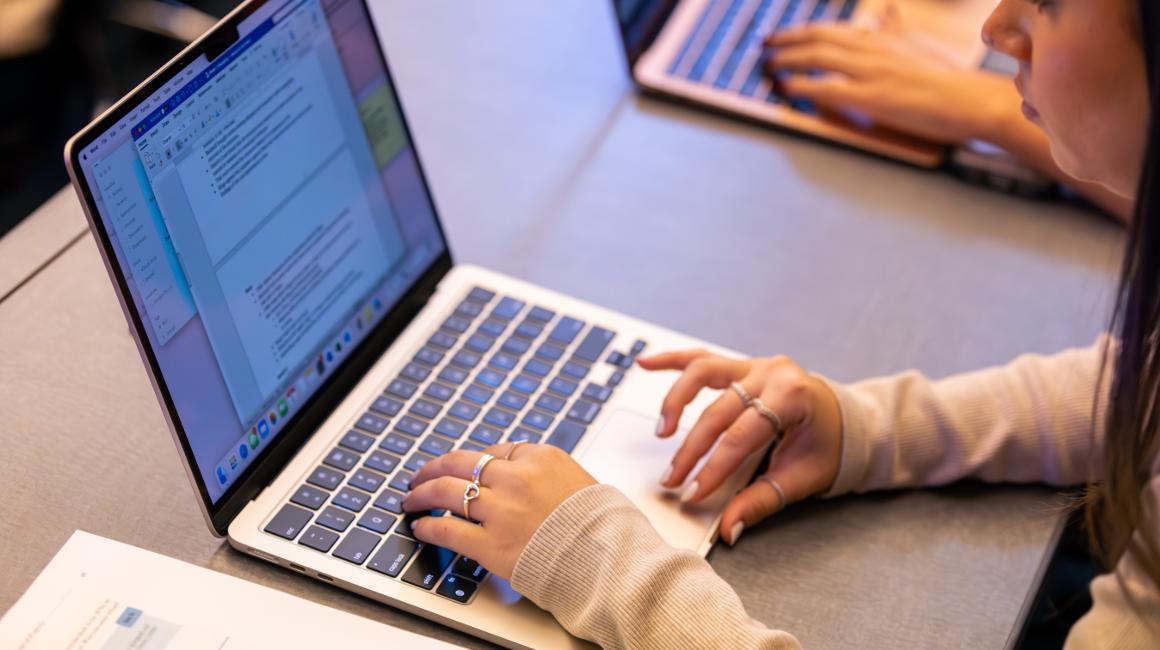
668,473
735,532
689,492
660,425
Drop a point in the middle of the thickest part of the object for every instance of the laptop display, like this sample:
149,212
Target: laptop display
266,209
640,22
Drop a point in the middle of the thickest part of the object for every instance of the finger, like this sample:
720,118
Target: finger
712,371
747,435
446,493
459,463
676,360
841,34
828,92
508,450
713,421
749,506
820,56
460,536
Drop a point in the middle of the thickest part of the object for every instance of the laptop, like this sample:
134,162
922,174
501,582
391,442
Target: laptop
263,214
709,53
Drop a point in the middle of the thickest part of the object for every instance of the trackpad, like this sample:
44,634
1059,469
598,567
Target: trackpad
627,454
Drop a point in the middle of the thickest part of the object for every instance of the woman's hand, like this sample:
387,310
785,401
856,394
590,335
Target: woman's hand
894,78
516,496
803,464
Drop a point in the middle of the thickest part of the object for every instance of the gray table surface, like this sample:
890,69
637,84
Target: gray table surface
546,165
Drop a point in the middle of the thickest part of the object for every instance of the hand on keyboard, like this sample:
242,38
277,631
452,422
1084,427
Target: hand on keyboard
517,496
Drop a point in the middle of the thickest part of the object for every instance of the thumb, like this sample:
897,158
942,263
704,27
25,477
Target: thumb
761,500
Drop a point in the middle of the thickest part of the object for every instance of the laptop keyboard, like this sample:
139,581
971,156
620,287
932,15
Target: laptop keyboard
725,48
496,370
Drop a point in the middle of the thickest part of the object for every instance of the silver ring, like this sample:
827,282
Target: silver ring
479,465
470,493
768,414
511,450
742,393
776,488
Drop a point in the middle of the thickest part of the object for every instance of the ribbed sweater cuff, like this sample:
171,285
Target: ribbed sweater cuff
855,455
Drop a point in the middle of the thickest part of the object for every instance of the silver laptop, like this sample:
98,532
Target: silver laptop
263,214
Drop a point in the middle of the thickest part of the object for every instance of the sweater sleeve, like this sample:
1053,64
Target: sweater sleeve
597,565
1032,420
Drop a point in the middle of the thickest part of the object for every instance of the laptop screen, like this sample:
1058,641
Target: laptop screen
267,210
640,23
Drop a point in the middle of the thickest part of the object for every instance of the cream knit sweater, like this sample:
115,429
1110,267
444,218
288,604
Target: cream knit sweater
1028,421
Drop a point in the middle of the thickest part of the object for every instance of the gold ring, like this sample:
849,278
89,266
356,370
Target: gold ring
776,488
741,392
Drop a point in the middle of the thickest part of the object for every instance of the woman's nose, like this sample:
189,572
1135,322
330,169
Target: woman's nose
1004,30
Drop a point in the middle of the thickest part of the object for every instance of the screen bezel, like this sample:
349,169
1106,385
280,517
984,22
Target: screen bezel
331,392
663,10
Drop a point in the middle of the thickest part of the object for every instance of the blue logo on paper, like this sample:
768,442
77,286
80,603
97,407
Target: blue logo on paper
243,451
129,617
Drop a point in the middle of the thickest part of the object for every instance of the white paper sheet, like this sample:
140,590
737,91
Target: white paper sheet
100,594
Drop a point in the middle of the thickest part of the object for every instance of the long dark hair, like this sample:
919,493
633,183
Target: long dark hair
1115,508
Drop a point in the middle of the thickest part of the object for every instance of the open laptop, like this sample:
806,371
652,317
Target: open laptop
264,217
709,53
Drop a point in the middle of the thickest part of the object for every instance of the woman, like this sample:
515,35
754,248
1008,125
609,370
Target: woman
1089,72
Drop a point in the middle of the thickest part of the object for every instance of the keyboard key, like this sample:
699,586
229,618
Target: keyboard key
400,388
409,519
456,324
456,588
325,478
402,481
504,361
393,556
507,308
624,362
490,378
439,392
513,401
356,546
477,394
356,441
435,446
386,406
541,314
411,426
562,386
416,462
364,479
516,345
351,499
469,309
450,428
566,435
390,501
335,518
452,375
537,368
485,435
550,402
584,411
442,340
638,347
341,459
597,393
550,352
615,358
382,461
471,446
525,384
464,411
373,423
429,357
566,330
377,520
479,294
616,378
468,568
499,418
492,328
426,409
524,434
429,564
288,522
592,347
480,343
538,421
309,497
319,538
415,372
465,359
574,370
396,443
529,329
